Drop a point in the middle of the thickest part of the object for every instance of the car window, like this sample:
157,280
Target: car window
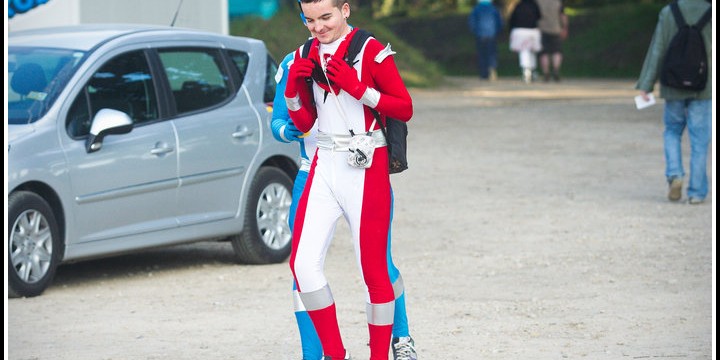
197,78
35,77
123,83
270,83
240,59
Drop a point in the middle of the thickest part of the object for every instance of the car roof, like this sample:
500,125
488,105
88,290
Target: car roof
85,37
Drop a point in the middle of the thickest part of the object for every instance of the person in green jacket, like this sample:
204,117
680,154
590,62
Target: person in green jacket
683,108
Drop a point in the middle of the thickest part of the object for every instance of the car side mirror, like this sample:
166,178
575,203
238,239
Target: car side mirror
106,122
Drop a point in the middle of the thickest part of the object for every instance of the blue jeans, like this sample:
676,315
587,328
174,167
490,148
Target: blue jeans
696,115
487,55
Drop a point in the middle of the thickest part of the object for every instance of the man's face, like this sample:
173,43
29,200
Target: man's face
325,21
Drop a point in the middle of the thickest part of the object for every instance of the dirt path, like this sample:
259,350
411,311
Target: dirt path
532,224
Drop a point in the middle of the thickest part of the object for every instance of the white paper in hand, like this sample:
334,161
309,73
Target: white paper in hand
640,103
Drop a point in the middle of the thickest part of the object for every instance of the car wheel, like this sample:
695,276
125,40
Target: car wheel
266,236
34,244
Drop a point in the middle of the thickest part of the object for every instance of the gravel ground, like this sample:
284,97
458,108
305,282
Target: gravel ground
532,224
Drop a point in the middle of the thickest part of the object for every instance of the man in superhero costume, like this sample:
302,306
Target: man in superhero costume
338,104
285,131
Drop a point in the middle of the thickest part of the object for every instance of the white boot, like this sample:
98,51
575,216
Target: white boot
527,75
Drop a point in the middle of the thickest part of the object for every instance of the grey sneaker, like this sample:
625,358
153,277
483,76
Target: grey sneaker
403,348
695,201
675,192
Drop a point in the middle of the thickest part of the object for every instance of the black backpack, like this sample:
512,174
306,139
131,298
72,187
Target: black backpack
395,131
685,66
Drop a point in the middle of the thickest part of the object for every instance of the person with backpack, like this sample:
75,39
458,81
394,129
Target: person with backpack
486,24
681,57
284,130
349,175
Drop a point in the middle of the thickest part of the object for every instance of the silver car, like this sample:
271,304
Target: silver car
127,137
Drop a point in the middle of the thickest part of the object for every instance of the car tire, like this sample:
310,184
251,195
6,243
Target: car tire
34,244
266,237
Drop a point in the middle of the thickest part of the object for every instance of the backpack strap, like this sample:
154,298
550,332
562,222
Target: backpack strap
356,44
704,19
306,47
679,19
304,54
383,126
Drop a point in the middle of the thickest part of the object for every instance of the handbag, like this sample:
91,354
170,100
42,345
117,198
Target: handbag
395,132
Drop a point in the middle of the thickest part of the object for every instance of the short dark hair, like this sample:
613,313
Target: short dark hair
338,3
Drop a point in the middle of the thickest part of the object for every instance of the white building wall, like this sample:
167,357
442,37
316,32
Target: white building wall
52,13
209,15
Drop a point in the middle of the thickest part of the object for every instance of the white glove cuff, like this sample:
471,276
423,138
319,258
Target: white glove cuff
293,103
371,97
282,133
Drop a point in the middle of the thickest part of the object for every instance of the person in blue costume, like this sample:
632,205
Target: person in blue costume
285,131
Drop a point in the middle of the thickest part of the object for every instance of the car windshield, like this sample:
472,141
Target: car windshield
36,76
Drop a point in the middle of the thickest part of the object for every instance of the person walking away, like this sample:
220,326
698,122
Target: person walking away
691,109
284,130
553,26
349,175
486,24
525,36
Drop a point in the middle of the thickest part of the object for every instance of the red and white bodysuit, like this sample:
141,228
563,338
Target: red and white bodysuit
336,189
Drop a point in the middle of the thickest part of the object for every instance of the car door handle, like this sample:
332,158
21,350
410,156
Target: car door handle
161,149
242,133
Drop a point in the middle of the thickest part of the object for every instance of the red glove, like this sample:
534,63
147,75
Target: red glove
300,69
345,76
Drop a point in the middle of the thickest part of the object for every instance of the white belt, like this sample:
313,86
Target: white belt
340,142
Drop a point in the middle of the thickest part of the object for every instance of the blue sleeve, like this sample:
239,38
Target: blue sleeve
281,116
